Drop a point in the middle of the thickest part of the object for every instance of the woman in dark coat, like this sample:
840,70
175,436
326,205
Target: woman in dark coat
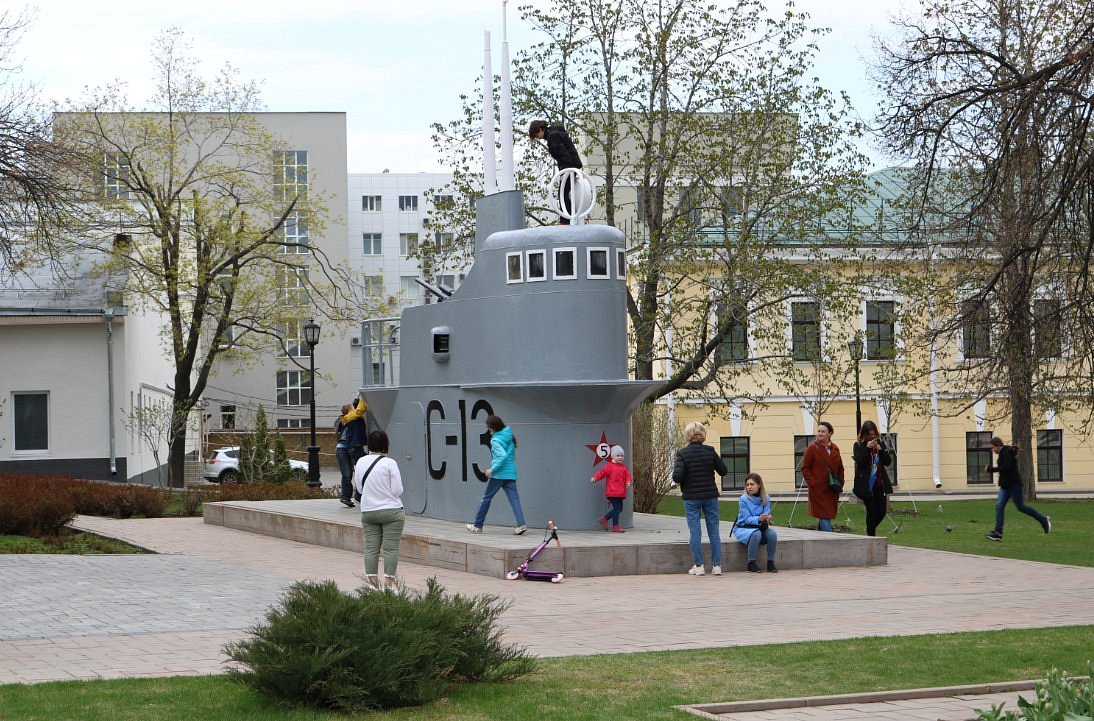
872,483
821,458
694,471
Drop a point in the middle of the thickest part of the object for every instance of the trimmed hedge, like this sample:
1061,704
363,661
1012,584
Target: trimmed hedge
42,505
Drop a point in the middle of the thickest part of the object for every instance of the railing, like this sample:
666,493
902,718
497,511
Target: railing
380,353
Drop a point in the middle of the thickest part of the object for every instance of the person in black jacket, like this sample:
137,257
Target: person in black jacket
871,479
562,149
1010,487
694,473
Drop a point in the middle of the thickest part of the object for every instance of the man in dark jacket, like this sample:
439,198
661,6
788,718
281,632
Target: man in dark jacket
1010,487
562,149
694,472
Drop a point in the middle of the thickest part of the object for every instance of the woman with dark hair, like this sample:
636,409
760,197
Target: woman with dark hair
380,484
821,459
872,484
501,475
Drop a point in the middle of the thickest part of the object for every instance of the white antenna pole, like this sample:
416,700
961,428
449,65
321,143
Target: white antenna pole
507,181
489,164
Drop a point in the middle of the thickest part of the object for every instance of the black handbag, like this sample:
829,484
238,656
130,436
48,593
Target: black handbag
834,483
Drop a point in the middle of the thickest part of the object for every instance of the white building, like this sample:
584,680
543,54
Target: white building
389,215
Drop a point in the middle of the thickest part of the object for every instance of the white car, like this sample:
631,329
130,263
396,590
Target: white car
223,466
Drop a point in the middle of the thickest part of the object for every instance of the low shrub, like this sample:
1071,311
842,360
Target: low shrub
372,649
32,506
268,492
1058,698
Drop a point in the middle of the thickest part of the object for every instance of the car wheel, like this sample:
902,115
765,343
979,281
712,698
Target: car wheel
298,474
229,476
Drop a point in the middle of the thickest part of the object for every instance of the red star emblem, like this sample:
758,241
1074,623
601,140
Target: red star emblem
601,450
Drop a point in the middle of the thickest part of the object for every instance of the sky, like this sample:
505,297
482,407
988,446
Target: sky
393,68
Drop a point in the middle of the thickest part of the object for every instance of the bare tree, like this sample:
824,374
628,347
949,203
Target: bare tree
993,101
36,195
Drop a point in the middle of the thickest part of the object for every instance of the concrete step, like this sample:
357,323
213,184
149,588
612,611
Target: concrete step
655,545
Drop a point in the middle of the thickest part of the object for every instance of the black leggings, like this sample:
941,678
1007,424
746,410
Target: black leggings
877,505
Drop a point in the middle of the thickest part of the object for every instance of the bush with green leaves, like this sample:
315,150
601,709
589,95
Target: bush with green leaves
374,649
1058,698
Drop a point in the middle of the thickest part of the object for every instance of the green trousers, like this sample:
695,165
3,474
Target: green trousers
383,531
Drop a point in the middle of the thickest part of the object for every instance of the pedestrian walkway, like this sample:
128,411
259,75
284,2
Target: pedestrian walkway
129,616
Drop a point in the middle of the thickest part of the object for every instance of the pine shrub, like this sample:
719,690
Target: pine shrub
370,650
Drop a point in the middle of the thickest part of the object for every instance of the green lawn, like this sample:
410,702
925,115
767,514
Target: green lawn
72,542
634,687
923,525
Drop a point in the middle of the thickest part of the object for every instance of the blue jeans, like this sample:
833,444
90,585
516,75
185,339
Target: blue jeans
769,537
612,516
1013,493
345,466
492,487
824,524
709,508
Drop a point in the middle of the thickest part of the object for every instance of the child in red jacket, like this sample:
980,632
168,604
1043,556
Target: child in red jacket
618,480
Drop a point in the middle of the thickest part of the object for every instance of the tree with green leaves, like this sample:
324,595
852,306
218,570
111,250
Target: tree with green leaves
713,150
203,208
993,102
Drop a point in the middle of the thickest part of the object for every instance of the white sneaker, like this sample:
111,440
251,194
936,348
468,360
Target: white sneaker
519,530
716,571
473,528
697,571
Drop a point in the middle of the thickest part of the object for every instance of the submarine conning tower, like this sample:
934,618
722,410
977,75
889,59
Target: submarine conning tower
537,334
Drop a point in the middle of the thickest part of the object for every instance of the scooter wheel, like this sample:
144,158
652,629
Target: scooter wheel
557,578
512,575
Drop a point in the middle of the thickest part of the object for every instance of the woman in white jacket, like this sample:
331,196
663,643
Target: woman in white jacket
376,477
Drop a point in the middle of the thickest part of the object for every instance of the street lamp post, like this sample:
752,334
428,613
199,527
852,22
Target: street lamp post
854,347
311,337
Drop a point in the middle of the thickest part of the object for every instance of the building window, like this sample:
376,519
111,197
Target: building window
294,423
371,203
975,329
116,176
1047,329
373,285
228,417
444,240
805,336
30,416
800,444
447,280
978,458
408,244
598,263
372,243
735,454
292,340
443,201
880,329
408,203
1050,456
565,260
291,174
410,290
734,346
293,388
294,234
537,265
514,267
292,283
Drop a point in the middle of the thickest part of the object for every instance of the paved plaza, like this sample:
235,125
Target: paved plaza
85,617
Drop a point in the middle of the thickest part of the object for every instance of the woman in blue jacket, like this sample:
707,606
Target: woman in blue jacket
753,525
502,475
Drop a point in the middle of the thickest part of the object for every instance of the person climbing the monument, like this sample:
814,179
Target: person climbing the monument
617,479
501,475
562,149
